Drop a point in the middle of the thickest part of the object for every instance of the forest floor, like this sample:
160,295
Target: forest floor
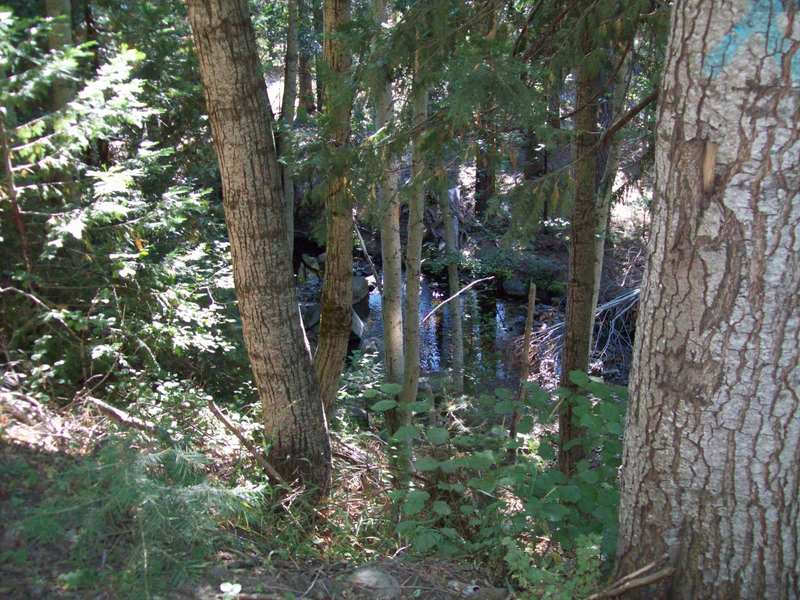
38,445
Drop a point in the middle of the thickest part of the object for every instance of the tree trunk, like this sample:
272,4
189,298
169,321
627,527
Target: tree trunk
60,36
320,66
290,66
485,154
416,230
306,89
287,113
242,129
391,251
337,287
712,442
450,220
583,256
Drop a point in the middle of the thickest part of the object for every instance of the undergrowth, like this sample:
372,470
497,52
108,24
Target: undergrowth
138,518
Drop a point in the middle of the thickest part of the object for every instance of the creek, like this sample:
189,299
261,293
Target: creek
491,323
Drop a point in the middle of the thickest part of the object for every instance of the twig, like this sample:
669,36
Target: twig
637,579
627,117
454,296
254,452
128,420
366,254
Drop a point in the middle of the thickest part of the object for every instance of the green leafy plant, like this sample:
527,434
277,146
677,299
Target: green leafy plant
135,516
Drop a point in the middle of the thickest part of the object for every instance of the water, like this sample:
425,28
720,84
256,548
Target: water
491,324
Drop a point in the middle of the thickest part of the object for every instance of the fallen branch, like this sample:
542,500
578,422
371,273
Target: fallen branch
454,296
637,579
366,254
127,420
254,452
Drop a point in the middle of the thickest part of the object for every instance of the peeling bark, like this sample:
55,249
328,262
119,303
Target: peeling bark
712,441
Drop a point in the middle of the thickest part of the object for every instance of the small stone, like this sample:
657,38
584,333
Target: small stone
379,585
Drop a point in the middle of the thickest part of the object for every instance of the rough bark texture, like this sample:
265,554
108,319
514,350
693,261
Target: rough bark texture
287,110
391,251
582,257
242,126
337,294
712,443
60,36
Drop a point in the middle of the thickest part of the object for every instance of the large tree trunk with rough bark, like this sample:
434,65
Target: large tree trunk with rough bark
391,251
242,129
712,443
337,287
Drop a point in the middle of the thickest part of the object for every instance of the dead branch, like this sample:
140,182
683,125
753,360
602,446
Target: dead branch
454,296
639,578
254,452
127,420
366,254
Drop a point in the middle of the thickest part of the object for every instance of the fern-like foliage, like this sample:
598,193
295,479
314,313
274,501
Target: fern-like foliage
140,519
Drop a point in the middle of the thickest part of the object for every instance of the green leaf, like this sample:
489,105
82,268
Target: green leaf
406,433
504,394
425,540
589,476
391,389
554,512
426,463
441,508
384,405
579,378
504,407
525,424
570,493
421,406
415,501
370,393
437,435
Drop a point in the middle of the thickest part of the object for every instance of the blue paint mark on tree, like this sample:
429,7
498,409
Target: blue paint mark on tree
765,18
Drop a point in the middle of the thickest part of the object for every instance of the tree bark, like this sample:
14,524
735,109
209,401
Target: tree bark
60,36
316,13
391,250
416,231
242,130
287,112
337,286
305,79
712,440
583,256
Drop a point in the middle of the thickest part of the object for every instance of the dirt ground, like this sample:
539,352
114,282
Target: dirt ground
37,444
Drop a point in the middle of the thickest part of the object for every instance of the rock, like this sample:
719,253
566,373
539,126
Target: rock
515,287
360,288
357,326
374,583
311,314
